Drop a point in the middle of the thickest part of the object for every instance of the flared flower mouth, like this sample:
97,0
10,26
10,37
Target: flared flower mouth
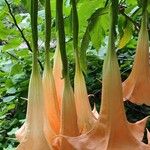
136,86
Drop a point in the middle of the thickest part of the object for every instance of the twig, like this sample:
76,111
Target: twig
136,25
21,31
121,11
12,55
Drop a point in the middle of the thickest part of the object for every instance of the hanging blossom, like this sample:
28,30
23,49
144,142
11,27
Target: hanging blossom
136,87
31,135
112,130
86,119
51,106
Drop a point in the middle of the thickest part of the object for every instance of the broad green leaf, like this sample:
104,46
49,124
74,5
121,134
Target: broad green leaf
126,37
16,69
98,26
97,35
12,44
85,10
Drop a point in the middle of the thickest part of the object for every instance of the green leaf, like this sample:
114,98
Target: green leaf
12,44
86,9
16,69
126,37
8,98
98,25
13,131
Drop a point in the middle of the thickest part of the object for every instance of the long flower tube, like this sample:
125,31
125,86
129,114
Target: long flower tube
112,131
85,117
136,87
31,134
51,102
52,111
68,119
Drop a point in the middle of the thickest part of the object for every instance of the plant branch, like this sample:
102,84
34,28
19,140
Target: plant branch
21,31
136,25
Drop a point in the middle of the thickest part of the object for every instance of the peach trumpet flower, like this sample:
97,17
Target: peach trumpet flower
69,126
51,106
136,87
31,135
85,117
112,130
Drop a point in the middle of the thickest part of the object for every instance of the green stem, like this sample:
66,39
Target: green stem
112,28
61,36
75,27
145,4
34,16
47,32
75,24
144,20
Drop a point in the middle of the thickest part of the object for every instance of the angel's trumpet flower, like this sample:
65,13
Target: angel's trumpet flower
69,124
68,119
51,106
57,72
86,119
51,102
112,131
52,110
136,87
31,134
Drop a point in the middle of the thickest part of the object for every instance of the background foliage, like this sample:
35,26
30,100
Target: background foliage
16,52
